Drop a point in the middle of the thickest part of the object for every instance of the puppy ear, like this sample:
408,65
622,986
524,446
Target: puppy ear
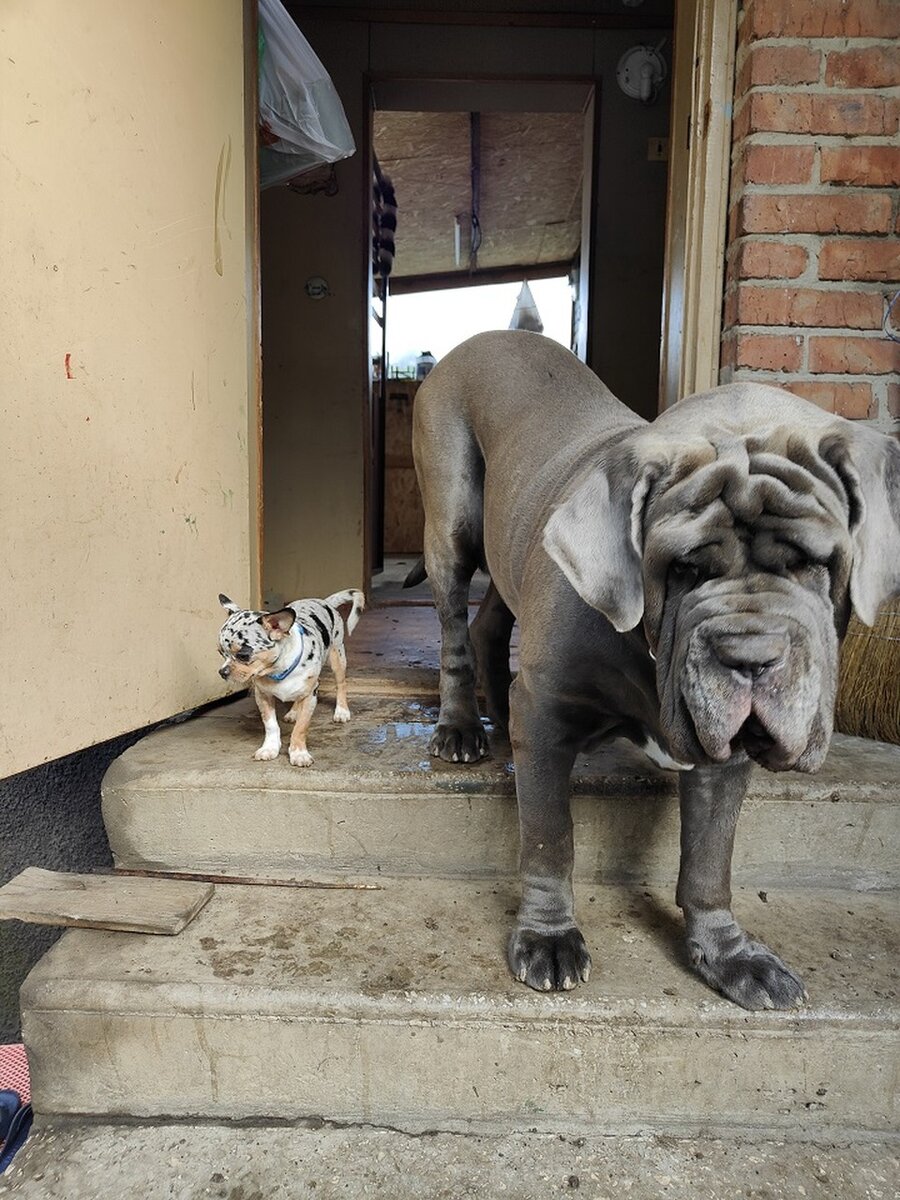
279,623
868,463
595,537
229,605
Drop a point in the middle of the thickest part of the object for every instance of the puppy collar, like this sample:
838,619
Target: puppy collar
279,675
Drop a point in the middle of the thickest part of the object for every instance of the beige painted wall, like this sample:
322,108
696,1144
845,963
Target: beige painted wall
314,359
124,493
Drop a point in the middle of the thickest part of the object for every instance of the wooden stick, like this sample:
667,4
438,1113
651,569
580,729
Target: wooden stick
250,881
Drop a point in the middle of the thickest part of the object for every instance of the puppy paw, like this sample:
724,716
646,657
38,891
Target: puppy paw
459,743
341,714
266,753
549,961
300,758
290,716
744,970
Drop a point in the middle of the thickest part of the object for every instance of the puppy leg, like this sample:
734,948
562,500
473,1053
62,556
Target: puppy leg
272,741
546,949
298,753
337,659
728,959
490,633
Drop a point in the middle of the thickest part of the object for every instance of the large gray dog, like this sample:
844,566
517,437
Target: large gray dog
683,583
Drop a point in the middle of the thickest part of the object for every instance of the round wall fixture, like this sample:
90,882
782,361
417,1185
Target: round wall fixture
317,288
640,73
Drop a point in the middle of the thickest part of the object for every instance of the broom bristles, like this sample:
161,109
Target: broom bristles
868,701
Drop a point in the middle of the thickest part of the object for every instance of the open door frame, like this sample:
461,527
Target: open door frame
696,211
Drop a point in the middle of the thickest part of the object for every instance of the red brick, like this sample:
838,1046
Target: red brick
853,356
764,213
772,65
850,114
768,352
866,166
808,307
741,124
770,260
779,112
893,399
861,259
778,164
729,314
822,18
872,67
851,400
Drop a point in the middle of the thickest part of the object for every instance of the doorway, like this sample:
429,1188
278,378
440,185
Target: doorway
484,190
317,277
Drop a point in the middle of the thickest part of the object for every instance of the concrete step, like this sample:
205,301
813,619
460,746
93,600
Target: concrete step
85,1161
394,1007
191,798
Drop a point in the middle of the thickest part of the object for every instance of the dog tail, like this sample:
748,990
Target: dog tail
417,575
353,597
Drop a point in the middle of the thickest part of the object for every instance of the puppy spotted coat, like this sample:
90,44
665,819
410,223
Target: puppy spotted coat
280,656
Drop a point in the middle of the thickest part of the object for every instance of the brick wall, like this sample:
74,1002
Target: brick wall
814,211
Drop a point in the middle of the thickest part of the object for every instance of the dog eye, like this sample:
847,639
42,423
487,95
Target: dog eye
244,655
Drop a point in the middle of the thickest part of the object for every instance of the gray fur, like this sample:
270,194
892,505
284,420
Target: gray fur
684,583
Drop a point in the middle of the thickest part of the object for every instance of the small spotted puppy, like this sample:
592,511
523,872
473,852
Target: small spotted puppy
280,655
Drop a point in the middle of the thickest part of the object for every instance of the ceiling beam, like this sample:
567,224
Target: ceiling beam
533,20
405,285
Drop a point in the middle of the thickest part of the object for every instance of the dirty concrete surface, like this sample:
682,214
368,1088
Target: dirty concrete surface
66,1161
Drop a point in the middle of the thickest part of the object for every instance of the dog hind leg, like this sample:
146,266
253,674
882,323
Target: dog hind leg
451,477
490,633
337,659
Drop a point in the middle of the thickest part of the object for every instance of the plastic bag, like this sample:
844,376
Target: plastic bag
302,121
525,314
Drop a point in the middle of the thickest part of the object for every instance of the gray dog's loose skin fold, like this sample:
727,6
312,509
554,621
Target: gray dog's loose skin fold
684,583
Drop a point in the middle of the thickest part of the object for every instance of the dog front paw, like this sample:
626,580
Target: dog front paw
743,970
549,961
266,753
459,743
341,714
300,758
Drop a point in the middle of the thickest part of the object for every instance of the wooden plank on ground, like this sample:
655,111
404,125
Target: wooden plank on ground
103,901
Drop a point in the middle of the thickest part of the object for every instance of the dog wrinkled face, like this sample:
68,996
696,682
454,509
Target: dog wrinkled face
746,569
250,641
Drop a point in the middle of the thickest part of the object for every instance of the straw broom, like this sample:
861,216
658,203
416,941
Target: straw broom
868,702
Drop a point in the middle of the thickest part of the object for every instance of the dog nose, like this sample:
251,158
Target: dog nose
225,671
751,653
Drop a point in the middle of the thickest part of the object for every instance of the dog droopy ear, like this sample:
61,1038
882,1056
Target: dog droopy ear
229,605
279,623
868,463
595,537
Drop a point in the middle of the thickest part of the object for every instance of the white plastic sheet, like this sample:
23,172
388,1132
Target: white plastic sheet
525,314
302,120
